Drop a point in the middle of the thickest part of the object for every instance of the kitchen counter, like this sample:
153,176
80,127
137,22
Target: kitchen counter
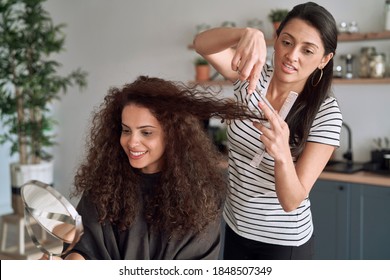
361,177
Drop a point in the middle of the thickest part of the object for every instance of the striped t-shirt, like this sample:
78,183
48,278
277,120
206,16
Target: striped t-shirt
252,208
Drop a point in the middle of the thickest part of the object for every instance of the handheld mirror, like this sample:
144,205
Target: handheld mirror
53,213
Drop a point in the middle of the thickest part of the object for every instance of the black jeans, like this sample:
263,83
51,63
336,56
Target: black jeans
239,248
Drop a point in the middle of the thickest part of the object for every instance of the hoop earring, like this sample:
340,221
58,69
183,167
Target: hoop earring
314,85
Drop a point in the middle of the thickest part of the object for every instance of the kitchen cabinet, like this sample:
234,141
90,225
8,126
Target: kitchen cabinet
330,206
370,222
344,37
351,221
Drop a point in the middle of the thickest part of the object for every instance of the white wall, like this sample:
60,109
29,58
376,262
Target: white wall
117,40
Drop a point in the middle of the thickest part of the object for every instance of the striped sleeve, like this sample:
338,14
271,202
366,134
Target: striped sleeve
327,124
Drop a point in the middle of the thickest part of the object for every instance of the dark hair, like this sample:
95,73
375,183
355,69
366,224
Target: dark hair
192,186
306,107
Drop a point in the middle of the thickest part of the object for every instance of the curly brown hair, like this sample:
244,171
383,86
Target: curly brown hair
192,185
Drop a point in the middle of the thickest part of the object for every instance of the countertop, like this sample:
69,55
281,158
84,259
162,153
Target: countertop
360,177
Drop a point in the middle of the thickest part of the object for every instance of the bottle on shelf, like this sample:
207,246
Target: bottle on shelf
348,66
387,15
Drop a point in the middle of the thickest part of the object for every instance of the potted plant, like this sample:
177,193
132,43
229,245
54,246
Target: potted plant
202,69
29,83
276,16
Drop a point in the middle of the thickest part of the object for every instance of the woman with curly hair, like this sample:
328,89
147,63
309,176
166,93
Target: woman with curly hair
151,183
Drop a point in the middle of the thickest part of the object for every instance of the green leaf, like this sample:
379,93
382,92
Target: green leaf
29,77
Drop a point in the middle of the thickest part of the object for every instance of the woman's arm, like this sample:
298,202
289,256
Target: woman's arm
236,53
65,232
292,182
74,256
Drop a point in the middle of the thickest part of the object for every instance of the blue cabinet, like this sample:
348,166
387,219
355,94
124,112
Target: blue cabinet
351,221
370,223
330,205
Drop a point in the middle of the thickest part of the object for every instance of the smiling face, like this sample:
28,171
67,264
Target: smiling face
298,52
142,139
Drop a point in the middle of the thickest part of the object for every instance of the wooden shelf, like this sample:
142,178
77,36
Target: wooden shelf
361,177
344,37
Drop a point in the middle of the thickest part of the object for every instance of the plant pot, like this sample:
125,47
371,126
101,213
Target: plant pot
20,174
202,73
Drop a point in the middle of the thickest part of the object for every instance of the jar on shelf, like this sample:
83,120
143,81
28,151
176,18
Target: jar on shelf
353,27
364,61
378,65
343,27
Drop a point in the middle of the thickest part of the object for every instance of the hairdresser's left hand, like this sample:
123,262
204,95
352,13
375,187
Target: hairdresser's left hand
275,138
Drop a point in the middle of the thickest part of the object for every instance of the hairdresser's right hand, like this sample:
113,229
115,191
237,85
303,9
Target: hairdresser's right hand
250,56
